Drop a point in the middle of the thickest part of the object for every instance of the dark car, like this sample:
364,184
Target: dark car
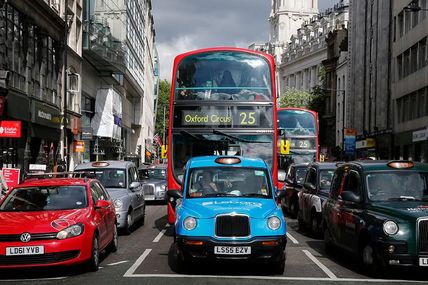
154,180
315,191
293,184
378,210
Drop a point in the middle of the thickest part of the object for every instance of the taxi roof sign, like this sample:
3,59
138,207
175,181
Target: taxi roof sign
100,164
400,164
228,160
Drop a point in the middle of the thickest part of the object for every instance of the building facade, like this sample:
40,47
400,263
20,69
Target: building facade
119,44
369,51
33,78
409,92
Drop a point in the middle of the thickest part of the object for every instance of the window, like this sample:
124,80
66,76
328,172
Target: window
414,58
421,103
336,182
415,18
400,67
407,21
352,182
312,177
399,110
414,105
406,63
423,57
401,24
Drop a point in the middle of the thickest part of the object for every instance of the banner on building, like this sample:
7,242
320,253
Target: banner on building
349,141
108,114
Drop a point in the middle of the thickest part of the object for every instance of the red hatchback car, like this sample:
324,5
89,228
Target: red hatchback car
56,221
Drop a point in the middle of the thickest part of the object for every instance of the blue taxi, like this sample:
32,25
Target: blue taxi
227,211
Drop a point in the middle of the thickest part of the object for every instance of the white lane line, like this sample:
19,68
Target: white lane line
116,263
274,278
36,279
160,235
320,265
137,263
292,238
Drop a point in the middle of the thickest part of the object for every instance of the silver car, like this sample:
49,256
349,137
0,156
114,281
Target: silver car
154,179
120,178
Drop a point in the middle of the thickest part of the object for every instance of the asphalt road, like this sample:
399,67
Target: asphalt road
143,258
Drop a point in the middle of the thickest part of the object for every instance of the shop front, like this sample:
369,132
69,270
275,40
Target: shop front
45,134
412,145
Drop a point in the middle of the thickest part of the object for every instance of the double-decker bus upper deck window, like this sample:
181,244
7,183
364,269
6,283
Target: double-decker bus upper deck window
295,122
217,76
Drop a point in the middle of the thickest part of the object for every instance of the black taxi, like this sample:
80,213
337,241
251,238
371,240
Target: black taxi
378,210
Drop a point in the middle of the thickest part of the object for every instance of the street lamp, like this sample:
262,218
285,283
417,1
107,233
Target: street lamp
414,7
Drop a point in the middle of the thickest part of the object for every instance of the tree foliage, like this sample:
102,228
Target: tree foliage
295,98
163,105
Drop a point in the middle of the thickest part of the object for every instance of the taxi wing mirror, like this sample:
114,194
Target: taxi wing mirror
281,175
176,194
310,187
134,185
350,196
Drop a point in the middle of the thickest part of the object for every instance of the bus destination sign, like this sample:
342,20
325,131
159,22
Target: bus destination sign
239,118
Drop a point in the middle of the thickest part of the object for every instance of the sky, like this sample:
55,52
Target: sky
184,25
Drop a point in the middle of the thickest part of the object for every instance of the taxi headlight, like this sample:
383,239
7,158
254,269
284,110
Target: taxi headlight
274,223
189,223
72,231
163,187
118,203
390,227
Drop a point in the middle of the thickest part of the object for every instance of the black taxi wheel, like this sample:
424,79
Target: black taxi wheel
328,243
370,261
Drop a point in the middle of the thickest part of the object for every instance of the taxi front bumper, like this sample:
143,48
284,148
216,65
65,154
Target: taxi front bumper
263,249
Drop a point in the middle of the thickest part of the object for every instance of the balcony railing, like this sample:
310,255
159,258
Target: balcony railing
104,51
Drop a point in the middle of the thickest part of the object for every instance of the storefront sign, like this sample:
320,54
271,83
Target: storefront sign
10,129
367,143
420,135
87,133
37,168
11,176
78,146
46,115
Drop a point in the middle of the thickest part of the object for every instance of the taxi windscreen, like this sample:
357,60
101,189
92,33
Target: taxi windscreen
109,177
228,182
397,186
45,199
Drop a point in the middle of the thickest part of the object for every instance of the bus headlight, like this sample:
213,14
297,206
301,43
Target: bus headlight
189,223
274,223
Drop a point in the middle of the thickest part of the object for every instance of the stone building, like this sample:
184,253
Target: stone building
409,91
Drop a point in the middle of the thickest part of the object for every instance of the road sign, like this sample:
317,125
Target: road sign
164,151
284,147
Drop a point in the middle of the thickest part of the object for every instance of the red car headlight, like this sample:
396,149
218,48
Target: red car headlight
72,231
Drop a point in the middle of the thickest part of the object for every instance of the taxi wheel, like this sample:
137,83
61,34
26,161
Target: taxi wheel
175,261
294,208
94,262
328,243
315,225
279,267
112,247
369,260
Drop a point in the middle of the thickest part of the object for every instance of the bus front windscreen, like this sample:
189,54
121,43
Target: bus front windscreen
297,123
221,75
188,144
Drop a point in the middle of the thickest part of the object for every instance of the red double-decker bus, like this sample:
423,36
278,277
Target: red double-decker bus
222,103
298,131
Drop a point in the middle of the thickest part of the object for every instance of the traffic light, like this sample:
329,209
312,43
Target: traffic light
284,147
164,151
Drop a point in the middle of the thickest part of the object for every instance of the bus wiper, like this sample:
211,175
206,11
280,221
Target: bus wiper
193,136
216,132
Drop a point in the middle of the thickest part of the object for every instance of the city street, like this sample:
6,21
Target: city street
142,258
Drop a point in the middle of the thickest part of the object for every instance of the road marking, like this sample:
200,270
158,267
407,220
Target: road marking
320,265
35,279
137,263
292,238
160,235
116,263
274,278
